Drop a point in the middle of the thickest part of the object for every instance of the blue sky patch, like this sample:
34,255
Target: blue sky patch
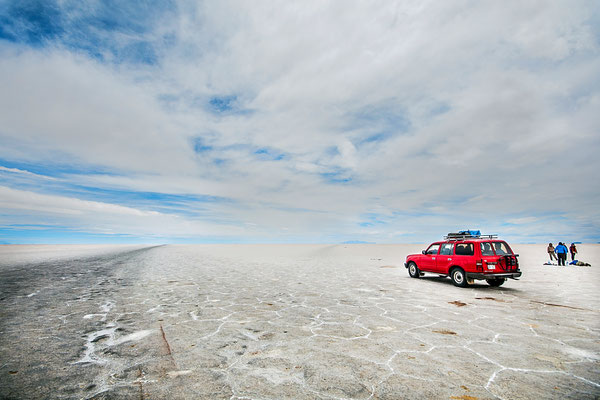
184,204
222,104
371,219
89,27
377,123
226,105
15,234
30,21
378,137
269,154
332,151
439,109
141,51
200,145
336,177
386,117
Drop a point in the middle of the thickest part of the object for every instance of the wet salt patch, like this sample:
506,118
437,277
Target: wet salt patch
276,376
581,353
133,337
153,309
385,328
107,334
90,316
90,346
250,336
173,374
106,307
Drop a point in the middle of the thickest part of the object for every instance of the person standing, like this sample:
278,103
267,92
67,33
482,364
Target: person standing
551,252
573,251
561,253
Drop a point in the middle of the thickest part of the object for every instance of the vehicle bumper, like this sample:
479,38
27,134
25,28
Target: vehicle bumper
479,275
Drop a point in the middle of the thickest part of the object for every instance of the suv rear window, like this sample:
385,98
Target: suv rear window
486,249
501,248
464,249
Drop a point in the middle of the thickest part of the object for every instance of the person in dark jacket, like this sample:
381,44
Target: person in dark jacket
561,253
573,251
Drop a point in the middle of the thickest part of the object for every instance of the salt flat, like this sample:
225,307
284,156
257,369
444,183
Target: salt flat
290,321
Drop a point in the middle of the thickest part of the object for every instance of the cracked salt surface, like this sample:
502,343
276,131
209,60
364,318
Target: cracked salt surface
274,322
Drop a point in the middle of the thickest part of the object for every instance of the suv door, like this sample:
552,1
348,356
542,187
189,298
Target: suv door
445,259
427,261
464,256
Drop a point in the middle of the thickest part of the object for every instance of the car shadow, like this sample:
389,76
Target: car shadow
477,285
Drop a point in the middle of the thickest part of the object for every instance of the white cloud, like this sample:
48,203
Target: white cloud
454,108
32,208
24,200
24,173
522,221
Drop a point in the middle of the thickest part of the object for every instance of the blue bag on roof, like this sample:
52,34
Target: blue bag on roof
470,233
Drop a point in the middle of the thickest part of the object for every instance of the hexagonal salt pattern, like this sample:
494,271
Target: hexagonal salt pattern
291,322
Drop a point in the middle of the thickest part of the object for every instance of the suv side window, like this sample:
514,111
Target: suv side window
464,249
446,249
433,249
486,249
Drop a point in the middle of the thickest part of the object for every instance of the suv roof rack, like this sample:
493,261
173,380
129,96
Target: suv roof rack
462,236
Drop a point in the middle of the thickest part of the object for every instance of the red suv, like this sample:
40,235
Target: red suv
466,257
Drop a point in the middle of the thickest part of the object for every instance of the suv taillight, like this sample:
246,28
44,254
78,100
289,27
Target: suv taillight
479,265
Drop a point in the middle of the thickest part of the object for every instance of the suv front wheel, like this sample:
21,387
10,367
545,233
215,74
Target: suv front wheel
413,271
458,277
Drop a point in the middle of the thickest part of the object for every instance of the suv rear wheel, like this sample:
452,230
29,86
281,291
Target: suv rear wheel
458,277
496,281
413,271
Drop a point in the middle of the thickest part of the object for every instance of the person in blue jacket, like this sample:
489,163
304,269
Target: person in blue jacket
561,252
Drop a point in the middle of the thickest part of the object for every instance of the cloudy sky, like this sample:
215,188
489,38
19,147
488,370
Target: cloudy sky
298,121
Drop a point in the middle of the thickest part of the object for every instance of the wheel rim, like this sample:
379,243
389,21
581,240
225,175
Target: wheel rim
458,277
413,269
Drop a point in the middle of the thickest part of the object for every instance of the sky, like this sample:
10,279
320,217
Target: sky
298,121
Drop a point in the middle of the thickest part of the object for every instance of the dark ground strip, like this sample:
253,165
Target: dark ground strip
41,324
560,305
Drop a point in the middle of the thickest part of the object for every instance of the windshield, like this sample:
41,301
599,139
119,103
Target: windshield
433,249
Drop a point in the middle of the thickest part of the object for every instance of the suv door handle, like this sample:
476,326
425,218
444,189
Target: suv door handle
449,259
